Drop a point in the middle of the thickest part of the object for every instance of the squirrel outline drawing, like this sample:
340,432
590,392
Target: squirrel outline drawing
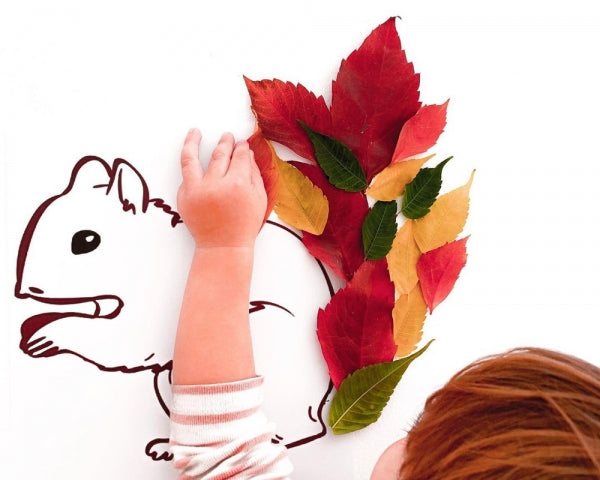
83,257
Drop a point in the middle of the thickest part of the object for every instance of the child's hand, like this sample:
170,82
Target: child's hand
224,206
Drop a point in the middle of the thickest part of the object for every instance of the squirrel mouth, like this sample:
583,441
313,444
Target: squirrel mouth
104,306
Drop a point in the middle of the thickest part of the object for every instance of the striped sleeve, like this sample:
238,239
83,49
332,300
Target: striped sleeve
219,432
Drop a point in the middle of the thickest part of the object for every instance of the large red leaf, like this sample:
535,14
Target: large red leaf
356,328
420,132
438,271
263,154
278,106
376,91
340,245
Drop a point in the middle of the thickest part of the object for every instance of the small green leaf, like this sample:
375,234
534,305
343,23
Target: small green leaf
337,161
363,394
420,194
379,230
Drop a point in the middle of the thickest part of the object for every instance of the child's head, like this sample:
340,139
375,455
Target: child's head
526,414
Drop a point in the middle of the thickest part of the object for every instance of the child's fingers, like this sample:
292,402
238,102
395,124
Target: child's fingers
190,156
240,160
221,156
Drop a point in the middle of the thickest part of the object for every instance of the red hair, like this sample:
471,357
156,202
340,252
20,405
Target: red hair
526,414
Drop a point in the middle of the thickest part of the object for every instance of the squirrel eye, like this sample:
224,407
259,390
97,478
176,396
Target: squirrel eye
84,241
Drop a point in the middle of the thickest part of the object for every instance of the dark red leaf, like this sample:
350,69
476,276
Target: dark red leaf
376,91
340,245
278,106
420,132
356,328
263,154
438,271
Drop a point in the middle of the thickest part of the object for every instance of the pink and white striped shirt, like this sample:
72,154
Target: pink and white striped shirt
218,432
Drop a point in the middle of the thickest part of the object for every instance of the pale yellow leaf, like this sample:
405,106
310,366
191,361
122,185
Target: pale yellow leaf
409,316
389,184
402,259
300,203
445,220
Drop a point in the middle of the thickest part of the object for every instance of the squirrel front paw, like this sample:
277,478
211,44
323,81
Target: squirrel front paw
158,449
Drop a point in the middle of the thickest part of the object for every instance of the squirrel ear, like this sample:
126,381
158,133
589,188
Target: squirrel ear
129,187
89,172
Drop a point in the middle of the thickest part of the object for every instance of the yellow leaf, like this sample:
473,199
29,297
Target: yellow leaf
402,259
300,203
409,316
445,220
389,184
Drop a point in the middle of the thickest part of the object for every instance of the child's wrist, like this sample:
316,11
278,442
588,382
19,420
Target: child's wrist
231,266
234,251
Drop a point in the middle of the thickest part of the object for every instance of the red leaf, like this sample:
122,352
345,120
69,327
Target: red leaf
438,271
376,91
340,245
356,328
420,132
278,106
263,154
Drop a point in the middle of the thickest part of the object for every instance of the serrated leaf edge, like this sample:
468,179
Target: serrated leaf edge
439,166
379,224
407,359
317,228
359,183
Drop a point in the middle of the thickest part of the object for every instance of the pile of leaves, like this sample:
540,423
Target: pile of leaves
369,142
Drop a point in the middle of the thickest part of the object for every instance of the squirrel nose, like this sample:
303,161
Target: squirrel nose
25,292
24,286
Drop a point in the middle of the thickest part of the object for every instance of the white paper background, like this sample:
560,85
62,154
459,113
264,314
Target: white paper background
127,79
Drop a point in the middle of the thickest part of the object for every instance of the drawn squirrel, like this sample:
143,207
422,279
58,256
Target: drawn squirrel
110,262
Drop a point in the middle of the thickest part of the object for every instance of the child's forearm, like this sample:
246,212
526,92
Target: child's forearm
213,343
217,427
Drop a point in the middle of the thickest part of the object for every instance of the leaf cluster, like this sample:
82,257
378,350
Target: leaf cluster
366,143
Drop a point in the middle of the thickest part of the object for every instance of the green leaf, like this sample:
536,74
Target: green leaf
420,194
379,230
337,161
363,394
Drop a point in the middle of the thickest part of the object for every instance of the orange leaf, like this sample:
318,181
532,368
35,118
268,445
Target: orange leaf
420,132
300,203
445,220
409,315
390,182
264,155
438,271
402,259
